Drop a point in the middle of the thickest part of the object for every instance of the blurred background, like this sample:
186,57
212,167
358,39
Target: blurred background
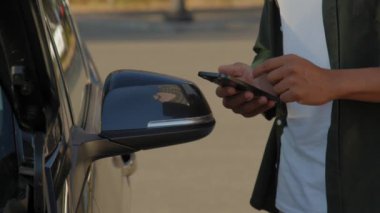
180,38
154,5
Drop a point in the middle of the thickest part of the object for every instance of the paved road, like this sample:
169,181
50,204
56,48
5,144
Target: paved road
215,174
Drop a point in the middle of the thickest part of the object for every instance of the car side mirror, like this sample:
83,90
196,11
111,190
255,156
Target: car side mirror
145,110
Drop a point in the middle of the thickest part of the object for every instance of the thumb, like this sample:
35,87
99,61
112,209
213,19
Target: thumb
235,70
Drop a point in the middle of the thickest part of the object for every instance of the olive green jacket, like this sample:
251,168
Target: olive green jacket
353,151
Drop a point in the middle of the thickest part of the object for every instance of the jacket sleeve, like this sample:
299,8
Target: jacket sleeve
269,40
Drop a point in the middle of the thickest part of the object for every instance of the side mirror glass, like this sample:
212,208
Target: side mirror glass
144,110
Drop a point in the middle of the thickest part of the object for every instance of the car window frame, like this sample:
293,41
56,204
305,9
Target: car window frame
89,77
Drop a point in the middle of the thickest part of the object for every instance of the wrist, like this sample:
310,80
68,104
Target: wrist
357,84
333,85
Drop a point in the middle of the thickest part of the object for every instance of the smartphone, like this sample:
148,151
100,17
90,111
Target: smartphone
225,80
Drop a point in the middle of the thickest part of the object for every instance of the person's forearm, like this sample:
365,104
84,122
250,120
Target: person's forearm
356,84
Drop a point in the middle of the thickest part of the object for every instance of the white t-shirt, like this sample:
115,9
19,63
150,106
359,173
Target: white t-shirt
301,180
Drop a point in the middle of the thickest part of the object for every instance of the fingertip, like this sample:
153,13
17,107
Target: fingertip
248,96
263,100
218,91
231,90
225,91
271,103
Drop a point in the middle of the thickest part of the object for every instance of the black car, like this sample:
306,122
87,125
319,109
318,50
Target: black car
57,118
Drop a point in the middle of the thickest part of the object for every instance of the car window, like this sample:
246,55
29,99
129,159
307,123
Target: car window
8,156
68,50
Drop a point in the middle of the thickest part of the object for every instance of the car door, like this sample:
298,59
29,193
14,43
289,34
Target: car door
34,152
8,155
84,91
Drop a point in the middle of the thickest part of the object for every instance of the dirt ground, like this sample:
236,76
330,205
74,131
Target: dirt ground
93,7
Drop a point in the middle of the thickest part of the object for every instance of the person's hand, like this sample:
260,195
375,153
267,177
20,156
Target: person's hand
244,103
295,79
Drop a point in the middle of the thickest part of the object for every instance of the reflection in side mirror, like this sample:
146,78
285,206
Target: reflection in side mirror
144,110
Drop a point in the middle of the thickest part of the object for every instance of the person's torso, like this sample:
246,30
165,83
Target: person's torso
301,181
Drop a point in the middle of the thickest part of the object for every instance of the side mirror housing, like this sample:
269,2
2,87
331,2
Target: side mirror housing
145,110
